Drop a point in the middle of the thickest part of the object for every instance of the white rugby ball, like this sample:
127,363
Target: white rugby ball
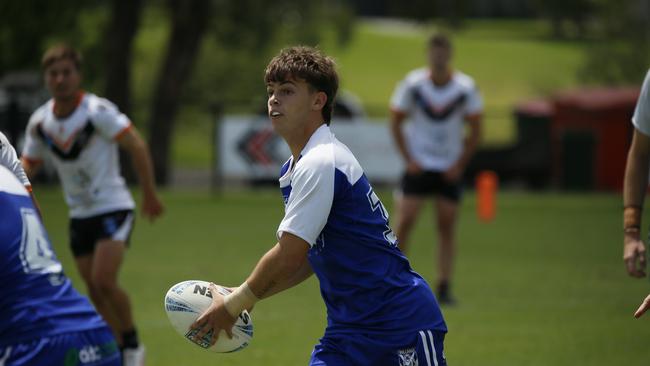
186,301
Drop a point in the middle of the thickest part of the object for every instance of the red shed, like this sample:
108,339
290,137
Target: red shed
590,132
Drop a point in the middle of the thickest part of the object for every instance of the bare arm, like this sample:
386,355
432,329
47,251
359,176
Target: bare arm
397,118
131,141
634,188
283,266
469,148
472,140
645,305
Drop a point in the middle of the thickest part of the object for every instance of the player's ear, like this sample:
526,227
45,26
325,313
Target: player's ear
319,101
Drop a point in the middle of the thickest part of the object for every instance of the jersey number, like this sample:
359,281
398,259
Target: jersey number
35,252
375,204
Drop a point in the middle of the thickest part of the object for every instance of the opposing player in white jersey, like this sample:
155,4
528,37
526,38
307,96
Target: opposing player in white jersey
81,132
379,311
43,319
635,188
435,102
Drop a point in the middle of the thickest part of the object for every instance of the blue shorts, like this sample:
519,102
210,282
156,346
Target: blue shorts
95,347
423,348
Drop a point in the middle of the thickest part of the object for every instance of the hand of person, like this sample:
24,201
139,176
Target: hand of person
634,255
454,173
413,167
152,208
214,319
642,309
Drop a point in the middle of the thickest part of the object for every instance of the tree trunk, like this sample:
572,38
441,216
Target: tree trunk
124,22
189,22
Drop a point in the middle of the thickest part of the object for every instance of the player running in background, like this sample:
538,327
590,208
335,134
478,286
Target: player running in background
43,320
379,311
81,132
634,190
437,102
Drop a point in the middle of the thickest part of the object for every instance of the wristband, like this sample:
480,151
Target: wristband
240,299
631,216
638,207
632,229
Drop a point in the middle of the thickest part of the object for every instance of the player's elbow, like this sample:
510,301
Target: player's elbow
289,262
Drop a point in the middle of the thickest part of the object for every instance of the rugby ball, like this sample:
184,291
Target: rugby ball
186,301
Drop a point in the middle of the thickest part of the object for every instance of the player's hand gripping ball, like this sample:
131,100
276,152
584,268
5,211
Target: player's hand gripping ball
186,301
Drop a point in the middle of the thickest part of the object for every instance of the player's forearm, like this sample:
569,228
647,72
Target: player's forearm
301,275
636,177
278,270
634,186
398,137
144,167
470,145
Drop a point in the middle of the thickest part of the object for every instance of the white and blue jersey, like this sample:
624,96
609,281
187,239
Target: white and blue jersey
36,299
366,282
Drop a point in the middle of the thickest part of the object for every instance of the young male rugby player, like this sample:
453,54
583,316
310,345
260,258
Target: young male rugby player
43,320
379,311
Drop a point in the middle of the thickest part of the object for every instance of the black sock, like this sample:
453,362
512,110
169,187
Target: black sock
443,289
130,339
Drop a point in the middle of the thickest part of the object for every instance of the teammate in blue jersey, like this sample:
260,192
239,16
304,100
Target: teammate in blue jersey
379,311
43,319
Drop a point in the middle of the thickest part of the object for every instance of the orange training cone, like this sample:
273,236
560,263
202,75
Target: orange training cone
487,184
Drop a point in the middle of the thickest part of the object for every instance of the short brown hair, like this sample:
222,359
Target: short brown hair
311,65
61,52
440,40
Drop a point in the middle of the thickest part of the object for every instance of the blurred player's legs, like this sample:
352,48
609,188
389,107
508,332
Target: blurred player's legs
99,272
447,214
99,245
85,265
408,208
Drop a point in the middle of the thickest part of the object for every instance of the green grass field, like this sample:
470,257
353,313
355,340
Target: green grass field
543,284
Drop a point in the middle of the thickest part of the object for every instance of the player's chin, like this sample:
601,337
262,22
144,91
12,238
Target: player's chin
64,94
276,122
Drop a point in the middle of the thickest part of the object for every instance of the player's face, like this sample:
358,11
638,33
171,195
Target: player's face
291,104
439,57
63,79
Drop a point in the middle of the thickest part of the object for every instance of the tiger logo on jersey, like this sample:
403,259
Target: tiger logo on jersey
407,357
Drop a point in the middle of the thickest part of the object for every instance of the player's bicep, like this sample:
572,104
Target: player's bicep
397,116
128,138
294,248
